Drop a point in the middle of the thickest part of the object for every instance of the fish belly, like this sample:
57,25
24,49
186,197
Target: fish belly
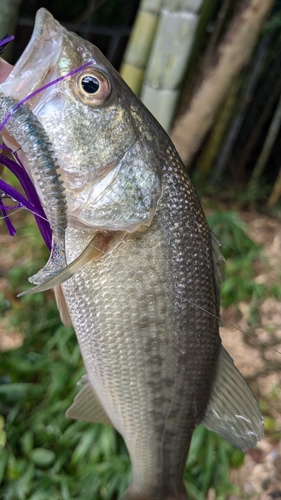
149,351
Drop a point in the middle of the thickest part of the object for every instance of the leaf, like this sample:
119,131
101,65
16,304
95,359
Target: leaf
4,454
27,442
13,392
86,442
25,481
194,493
42,457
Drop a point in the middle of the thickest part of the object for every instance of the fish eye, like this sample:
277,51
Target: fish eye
90,84
92,87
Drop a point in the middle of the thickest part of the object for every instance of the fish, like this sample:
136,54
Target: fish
142,275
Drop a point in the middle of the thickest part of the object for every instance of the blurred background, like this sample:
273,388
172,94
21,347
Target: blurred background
210,71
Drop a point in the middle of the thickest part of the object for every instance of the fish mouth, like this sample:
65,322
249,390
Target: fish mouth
37,64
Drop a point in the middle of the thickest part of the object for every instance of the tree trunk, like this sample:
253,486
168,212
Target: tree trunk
233,54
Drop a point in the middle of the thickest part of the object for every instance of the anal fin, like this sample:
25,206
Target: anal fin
232,410
86,406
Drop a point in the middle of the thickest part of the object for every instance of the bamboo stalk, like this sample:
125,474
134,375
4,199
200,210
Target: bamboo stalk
137,51
210,151
233,54
92,6
267,147
221,19
257,130
276,192
168,57
253,76
203,35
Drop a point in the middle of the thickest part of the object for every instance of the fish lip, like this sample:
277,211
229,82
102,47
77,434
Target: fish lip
43,19
38,61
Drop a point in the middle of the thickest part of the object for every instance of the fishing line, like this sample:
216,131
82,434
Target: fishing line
184,299
223,323
14,153
17,209
8,207
44,87
45,231
4,42
34,212
5,208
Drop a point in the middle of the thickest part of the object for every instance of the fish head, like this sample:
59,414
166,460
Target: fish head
107,144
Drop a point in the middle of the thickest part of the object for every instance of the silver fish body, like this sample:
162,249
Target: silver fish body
151,355
145,308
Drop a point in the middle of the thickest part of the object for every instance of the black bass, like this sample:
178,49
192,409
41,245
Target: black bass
143,292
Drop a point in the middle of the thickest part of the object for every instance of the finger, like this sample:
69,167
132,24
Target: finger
5,70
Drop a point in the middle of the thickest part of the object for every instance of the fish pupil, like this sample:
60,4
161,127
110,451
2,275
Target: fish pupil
90,84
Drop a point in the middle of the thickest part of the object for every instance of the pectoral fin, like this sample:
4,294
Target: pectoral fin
101,244
62,306
86,406
232,410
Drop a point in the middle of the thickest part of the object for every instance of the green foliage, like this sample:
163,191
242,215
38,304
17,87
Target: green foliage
232,231
241,253
209,459
41,450
42,453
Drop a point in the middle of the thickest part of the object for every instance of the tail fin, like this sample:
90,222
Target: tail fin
156,494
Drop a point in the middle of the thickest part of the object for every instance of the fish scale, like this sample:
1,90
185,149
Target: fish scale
141,284
143,332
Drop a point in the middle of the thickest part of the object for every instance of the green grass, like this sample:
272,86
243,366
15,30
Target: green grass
42,450
44,455
241,254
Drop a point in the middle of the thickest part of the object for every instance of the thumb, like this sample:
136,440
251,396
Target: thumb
5,70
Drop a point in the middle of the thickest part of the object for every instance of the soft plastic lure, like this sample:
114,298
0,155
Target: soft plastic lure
19,121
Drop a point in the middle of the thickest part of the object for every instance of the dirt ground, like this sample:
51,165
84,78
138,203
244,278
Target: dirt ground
260,476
